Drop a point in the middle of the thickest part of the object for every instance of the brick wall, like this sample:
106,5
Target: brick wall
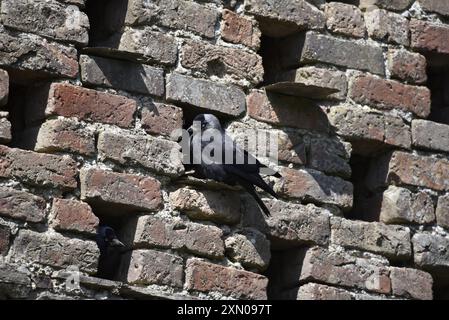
91,90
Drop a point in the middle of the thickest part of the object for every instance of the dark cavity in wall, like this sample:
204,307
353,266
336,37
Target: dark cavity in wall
438,83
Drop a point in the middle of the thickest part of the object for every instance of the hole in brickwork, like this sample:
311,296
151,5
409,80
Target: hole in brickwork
107,19
438,83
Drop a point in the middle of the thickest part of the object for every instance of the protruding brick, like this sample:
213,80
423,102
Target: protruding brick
65,135
315,291
437,6
345,19
428,36
283,17
159,118
442,211
4,87
5,131
391,241
240,30
38,169
400,205
29,52
395,5
207,277
128,191
46,18
155,267
388,26
90,105
21,205
203,240
411,283
314,186
119,74
286,111
407,66
56,250
388,94
221,61
217,206
73,215
430,135
207,95
5,234
155,154
430,253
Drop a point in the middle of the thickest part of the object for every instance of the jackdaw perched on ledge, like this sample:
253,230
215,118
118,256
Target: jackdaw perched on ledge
216,156
111,250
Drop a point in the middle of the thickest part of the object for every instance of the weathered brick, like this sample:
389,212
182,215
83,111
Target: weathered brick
430,135
56,250
5,234
390,241
21,205
90,105
400,205
217,206
315,186
428,36
411,283
208,95
389,94
240,30
160,118
442,211
152,153
176,14
46,18
319,77
411,169
207,277
73,215
407,66
430,253
119,74
314,291
329,155
318,48
154,267
151,46
221,61
80,3
250,247
283,17
203,240
65,135
38,169
395,5
387,26
4,87
345,19
437,6
15,282
286,111
5,130
124,190
32,53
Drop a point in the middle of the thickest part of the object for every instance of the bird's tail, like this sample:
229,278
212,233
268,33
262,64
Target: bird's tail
252,191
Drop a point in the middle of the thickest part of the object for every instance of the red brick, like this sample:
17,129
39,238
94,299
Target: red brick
65,135
159,118
407,66
411,283
5,233
126,191
38,169
21,205
428,36
388,94
206,277
387,26
240,30
345,19
90,105
286,111
4,87
154,267
72,215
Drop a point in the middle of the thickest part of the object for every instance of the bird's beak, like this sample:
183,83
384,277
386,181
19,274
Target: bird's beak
116,243
190,131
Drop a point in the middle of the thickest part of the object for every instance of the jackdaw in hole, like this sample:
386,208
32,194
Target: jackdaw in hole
232,165
111,250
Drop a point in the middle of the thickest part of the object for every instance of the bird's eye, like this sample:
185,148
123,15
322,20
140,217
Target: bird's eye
203,125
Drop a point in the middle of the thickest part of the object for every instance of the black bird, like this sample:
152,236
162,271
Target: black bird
246,173
111,250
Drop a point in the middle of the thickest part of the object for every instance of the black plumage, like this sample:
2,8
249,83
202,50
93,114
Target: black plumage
244,169
111,251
